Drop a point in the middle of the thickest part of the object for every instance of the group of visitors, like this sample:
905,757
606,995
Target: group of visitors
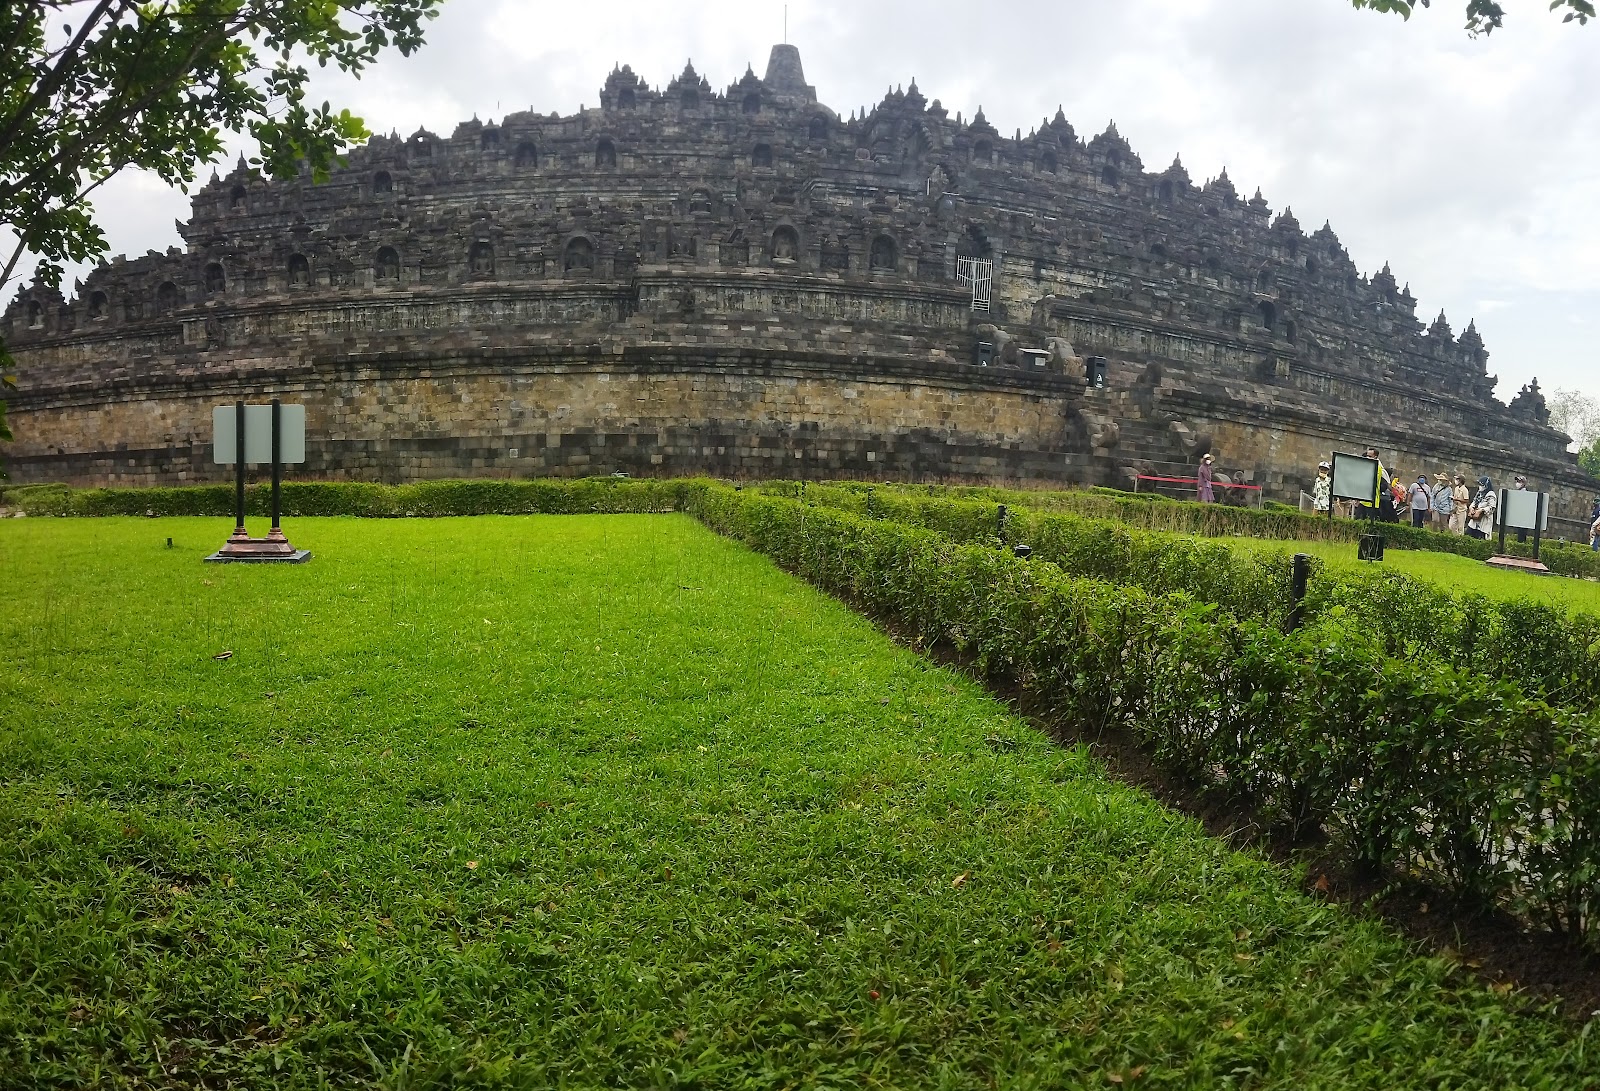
1447,503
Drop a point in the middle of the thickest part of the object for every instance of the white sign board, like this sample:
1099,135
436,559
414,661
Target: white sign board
1355,478
258,434
1521,510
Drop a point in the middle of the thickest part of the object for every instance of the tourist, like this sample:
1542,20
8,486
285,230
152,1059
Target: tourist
1381,499
1443,504
1392,500
1520,484
1203,482
1322,489
1480,513
1594,526
1460,497
1421,501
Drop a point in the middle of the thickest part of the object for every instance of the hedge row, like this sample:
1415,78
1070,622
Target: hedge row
1278,522
496,496
1541,647
1416,765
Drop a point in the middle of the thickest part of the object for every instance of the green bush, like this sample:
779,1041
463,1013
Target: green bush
494,496
1415,764
1543,648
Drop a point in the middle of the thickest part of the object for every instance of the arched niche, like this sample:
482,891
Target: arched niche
578,257
1048,162
238,197
605,154
386,265
299,271
626,99
527,155
480,259
689,98
884,256
35,315
818,129
1109,176
1165,192
382,182
166,297
761,155
785,245
983,152
1269,315
489,139
751,104
99,307
216,279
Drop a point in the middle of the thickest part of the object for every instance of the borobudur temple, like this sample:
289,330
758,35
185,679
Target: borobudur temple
745,284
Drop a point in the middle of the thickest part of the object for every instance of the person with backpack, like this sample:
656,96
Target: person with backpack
1421,498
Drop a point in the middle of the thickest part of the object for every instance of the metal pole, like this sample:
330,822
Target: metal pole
1505,494
1000,525
1538,521
1297,591
277,457
238,468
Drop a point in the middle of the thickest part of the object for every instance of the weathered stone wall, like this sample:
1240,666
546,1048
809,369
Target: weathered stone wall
682,280
639,412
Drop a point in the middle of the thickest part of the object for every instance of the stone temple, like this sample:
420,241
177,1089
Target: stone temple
746,284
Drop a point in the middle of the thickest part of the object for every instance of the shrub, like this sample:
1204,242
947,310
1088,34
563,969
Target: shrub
1545,649
1415,764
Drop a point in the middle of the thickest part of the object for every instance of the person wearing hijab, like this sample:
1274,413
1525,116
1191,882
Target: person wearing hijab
1203,482
1480,513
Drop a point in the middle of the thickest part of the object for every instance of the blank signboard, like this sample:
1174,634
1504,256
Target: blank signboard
1521,510
258,434
1355,478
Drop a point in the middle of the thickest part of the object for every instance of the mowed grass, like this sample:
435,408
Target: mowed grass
610,801
1455,573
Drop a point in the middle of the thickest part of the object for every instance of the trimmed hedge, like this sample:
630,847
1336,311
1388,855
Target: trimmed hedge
1416,765
490,496
1543,648
1221,520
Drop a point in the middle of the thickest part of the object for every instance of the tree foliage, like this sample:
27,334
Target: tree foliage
1483,16
1589,459
89,88
1575,413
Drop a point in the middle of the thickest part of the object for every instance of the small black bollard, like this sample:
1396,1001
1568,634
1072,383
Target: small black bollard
169,543
1297,591
1022,552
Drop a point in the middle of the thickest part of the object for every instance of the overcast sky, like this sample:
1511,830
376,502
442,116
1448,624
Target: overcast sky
1472,166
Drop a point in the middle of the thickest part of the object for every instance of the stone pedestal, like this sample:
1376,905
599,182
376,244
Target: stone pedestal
1518,564
274,548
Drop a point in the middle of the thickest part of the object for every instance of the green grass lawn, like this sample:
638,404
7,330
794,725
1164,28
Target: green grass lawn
609,801
1462,574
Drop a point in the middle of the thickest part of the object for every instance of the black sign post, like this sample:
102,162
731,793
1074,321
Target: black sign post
285,429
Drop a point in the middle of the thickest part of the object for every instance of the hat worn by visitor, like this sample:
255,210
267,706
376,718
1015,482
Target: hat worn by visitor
1484,481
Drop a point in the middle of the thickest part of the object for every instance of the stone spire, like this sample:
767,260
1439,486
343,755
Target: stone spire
786,76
